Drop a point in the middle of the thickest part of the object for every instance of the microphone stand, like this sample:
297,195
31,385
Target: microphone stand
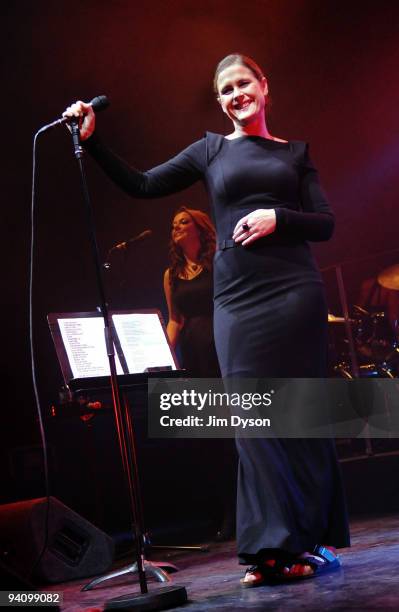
168,596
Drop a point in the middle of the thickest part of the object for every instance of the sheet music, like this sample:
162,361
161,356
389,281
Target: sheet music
84,343
143,341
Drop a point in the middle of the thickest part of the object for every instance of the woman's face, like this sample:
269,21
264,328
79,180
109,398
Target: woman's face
241,95
184,230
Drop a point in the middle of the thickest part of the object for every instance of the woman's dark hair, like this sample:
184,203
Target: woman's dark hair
236,58
207,237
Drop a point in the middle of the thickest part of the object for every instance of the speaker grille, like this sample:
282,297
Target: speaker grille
70,543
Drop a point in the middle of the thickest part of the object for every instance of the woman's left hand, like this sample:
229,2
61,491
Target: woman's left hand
255,225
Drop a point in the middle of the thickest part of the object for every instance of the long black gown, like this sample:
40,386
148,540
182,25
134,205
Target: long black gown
270,320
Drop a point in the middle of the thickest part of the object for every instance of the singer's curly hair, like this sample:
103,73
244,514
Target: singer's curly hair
207,236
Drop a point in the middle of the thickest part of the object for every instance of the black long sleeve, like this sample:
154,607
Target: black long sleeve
315,222
174,175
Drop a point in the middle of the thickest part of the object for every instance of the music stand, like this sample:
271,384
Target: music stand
140,340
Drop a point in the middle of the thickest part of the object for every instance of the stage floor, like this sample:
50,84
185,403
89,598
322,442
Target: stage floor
368,579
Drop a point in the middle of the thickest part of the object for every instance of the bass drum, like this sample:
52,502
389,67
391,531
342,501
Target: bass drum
364,397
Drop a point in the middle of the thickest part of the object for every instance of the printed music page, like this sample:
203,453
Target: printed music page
84,343
143,341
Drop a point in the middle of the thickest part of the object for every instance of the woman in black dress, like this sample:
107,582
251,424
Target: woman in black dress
270,315
188,286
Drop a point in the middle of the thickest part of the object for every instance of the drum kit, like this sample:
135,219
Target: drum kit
374,339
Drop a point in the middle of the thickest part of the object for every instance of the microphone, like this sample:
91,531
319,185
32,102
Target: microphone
124,245
98,103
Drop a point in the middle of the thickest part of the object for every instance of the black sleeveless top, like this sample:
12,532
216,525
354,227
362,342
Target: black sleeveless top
194,300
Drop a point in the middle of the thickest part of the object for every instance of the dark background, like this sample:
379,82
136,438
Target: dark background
333,76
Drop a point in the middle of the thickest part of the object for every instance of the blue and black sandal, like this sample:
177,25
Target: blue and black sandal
321,561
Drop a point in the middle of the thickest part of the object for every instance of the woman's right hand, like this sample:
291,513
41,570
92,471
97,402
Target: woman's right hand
86,115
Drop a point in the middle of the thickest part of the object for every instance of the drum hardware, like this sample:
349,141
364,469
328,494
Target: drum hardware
347,325
333,319
369,370
342,370
375,344
374,337
360,310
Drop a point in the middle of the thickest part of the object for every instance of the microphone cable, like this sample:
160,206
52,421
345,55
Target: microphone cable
33,362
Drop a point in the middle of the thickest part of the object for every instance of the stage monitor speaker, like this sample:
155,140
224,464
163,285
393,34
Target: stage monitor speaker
74,548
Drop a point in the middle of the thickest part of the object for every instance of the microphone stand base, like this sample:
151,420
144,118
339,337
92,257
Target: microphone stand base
161,599
151,569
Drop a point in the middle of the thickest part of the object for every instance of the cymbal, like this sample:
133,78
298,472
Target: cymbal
389,278
333,319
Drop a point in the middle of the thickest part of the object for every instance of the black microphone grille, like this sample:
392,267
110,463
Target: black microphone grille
99,103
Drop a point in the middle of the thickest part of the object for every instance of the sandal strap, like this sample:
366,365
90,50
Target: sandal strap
282,563
321,556
311,560
262,568
325,553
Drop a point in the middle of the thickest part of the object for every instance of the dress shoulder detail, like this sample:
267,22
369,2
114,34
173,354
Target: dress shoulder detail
214,143
299,150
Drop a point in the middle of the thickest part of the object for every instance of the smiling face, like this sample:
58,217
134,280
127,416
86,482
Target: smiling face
241,94
184,230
